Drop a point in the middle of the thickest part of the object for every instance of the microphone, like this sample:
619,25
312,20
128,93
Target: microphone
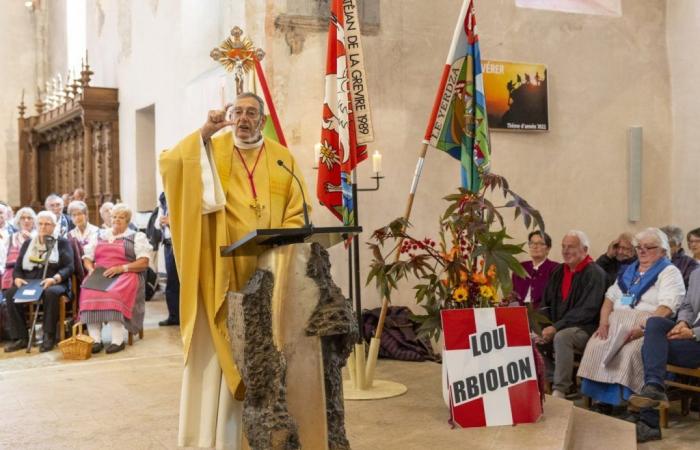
307,224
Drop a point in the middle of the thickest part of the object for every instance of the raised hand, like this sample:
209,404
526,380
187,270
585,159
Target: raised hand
216,120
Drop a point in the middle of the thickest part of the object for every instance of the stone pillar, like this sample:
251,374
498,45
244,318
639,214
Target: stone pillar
291,332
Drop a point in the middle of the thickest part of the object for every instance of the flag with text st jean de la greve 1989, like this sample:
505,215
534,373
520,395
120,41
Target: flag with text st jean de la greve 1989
346,121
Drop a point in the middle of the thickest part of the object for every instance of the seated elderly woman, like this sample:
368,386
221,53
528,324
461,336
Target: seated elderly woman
685,263
24,223
611,367
694,243
124,254
530,289
106,214
84,232
30,266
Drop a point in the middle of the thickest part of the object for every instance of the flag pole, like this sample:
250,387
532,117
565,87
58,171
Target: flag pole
428,137
376,340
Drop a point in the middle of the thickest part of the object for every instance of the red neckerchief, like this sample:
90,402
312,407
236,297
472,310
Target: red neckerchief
569,276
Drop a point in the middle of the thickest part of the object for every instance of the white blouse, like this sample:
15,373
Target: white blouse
142,248
87,237
668,291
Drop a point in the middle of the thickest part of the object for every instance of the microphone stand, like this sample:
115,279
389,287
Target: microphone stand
50,244
307,223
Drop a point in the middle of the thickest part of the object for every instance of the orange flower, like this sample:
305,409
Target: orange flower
492,272
463,276
449,257
479,278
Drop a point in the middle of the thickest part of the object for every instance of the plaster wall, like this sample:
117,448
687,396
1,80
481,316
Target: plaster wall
683,35
18,56
606,74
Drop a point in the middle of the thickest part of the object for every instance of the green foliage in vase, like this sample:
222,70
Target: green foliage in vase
470,264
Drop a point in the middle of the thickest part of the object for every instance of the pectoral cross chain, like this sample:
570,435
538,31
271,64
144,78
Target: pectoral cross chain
255,205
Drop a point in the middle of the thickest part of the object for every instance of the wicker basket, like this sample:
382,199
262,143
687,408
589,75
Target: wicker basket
78,346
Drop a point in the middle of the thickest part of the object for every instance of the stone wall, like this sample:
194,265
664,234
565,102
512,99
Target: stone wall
18,56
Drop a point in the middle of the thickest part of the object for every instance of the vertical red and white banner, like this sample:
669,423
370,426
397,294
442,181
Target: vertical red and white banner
345,101
491,373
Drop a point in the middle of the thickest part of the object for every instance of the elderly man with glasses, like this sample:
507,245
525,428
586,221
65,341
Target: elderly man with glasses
219,188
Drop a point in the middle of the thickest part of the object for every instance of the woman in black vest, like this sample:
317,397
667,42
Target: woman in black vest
30,266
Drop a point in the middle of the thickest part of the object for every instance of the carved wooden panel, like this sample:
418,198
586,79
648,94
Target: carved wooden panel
74,144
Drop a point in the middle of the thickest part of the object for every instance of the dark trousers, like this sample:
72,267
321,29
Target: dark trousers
172,285
17,312
657,351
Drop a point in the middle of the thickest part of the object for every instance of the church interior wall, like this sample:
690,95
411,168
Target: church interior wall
683,34
606,74
17,53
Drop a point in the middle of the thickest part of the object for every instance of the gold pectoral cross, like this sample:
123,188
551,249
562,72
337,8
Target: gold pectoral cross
257,207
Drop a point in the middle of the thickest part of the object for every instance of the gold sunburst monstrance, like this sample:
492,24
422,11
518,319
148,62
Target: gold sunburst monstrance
238,55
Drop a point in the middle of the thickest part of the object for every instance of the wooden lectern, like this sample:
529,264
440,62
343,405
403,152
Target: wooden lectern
291,331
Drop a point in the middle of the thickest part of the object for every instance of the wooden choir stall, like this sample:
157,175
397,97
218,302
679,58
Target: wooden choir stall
72,142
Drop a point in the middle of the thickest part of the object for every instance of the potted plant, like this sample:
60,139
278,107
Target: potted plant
470,263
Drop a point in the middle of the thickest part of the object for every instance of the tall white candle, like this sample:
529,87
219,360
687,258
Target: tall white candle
223,94
376,161
317,154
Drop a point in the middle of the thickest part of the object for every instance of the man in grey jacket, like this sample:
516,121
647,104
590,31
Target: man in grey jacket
667,342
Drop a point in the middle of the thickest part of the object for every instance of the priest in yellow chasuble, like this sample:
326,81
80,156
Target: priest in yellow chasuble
219,188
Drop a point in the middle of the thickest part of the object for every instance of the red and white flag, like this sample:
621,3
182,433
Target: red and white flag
340,151
491,373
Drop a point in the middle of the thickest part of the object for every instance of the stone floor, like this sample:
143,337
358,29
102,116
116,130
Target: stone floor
130,401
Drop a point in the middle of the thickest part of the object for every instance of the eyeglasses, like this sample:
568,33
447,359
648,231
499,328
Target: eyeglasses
692,241
251,113
646,248
536,244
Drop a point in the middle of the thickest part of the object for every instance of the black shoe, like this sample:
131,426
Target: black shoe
629,416
19,344
645,433
97,347
168,322
602,408
112,348
47,345
651,396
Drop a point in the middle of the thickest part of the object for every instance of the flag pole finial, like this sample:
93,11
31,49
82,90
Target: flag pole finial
238,55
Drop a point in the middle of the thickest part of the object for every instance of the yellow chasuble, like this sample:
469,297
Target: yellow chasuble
198,230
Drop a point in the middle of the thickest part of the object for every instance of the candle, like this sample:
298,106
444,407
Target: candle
317,153
22,95
376,161
223,94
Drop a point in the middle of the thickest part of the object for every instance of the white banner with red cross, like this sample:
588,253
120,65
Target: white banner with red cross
491,374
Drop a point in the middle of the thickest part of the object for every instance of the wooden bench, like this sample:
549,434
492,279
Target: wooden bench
684,386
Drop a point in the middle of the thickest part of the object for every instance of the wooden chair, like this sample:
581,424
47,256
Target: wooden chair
692,384
64,300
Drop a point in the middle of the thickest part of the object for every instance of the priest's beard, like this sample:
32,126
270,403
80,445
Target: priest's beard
253,142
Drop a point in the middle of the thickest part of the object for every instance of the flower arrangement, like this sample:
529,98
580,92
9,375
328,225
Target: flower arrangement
469,265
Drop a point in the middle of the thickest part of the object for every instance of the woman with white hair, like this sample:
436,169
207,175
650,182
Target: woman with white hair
611,367
123,253
84,232
106,214
33,256
24,223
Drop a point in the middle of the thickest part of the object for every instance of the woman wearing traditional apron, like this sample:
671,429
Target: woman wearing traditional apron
24,222
125,254
652,286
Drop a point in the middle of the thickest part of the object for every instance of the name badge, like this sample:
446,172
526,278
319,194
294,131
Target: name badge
627,299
